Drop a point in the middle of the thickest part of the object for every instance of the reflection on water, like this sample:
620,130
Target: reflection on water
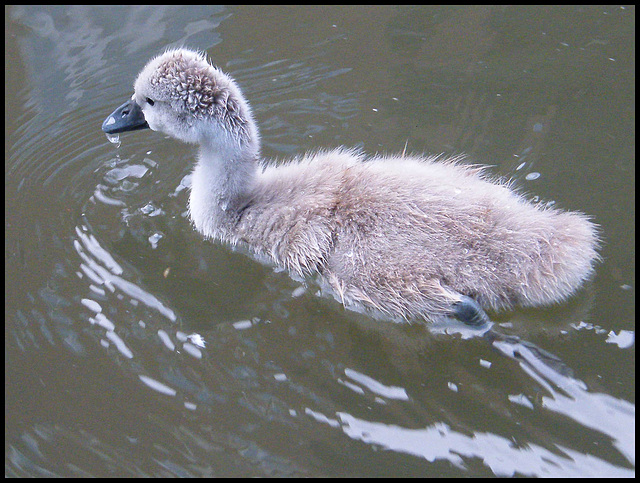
134,348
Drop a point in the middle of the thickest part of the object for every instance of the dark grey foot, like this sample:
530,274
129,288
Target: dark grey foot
469,311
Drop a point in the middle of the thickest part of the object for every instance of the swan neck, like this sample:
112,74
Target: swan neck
220,188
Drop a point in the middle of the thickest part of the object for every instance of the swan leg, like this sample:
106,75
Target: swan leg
469,311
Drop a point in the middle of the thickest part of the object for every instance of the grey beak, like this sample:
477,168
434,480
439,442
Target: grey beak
128,117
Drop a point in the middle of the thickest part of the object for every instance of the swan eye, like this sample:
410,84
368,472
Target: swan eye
150,101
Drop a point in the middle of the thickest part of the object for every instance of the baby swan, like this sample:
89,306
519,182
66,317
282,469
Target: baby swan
417,238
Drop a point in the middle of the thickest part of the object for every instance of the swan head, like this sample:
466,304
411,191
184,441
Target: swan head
183,95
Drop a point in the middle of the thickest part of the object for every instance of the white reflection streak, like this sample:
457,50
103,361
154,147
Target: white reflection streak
92,245
109,276
102,198
166,340
158,386
119,343
391,392
439,442
101,320
611,416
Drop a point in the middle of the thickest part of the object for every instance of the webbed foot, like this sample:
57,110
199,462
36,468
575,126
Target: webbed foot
469,312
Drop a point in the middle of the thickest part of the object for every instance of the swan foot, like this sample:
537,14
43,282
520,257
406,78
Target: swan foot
469,312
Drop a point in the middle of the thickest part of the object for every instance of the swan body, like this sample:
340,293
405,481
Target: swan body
414,237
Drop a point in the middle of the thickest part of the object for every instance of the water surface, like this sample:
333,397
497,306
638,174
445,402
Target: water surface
135,348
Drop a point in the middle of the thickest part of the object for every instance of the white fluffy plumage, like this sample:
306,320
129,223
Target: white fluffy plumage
409,236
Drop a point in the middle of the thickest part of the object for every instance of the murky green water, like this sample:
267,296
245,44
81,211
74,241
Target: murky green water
135,348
